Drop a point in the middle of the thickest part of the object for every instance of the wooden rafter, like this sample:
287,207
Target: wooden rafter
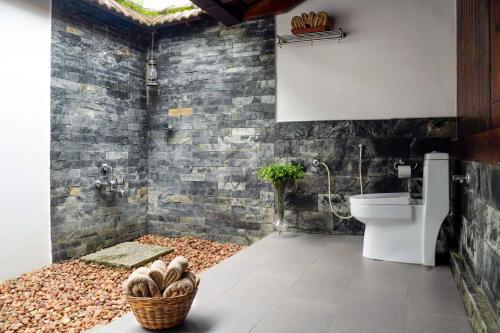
269,7
219,11
230,12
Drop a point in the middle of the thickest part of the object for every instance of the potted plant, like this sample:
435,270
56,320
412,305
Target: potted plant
280,175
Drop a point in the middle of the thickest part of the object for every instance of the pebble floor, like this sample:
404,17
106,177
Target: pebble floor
73,296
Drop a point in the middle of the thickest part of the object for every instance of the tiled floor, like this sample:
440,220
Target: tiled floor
318,283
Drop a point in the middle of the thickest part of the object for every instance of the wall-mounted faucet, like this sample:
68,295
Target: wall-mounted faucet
316,163
461,178
168,128
111,184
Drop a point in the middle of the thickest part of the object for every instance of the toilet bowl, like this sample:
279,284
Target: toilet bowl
399,228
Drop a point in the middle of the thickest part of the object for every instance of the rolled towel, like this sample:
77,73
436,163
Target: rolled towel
147,287
157,273
178,288
183,262
139,284
140,290
189,275
174,273
141,270
127,288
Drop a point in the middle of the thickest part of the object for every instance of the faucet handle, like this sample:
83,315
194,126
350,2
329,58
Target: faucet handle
461,178
106,169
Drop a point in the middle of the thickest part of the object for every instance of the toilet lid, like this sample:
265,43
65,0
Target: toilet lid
402,198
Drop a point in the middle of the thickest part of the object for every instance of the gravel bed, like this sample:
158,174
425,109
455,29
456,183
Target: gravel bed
73,296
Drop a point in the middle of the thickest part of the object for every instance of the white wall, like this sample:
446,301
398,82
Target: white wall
24,136
398,61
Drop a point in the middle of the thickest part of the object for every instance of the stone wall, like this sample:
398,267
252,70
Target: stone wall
336,143
479,242
218,92
98,115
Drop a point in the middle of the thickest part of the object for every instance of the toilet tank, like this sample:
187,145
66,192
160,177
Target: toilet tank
436,188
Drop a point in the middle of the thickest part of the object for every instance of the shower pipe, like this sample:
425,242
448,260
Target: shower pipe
316,163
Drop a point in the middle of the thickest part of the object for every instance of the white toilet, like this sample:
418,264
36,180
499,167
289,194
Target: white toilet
402,229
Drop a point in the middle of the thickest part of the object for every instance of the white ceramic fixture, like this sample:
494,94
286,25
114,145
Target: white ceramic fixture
399,228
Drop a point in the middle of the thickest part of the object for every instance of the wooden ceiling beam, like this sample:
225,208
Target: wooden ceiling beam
269,7
218,11
237,5
231,12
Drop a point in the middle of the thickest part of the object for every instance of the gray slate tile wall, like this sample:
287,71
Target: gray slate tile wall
218,92
479,240
336,143
98,115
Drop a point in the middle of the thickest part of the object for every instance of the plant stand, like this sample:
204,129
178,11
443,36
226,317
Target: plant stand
279,205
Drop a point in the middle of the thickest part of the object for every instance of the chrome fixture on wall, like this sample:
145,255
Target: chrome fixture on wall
461,178
402,163
316,163
121,54
118,55
151,72
111,184
168,128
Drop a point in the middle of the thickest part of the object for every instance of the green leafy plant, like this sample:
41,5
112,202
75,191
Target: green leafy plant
278,173
149,12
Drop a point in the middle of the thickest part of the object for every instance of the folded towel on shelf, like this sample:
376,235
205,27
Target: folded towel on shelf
157,273
178,288
174,273
139,284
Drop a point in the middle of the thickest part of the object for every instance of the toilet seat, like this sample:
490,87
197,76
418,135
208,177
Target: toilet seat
401,198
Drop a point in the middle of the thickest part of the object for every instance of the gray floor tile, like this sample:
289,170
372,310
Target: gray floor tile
377,268
370,317
424,323
435,288
376,282
434,306
318,283
227,315
341,261
348,245
333,272
381,296
219,282
425,271
258,290
286,265
297,316
316,287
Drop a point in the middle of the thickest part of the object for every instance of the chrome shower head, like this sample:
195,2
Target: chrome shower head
315,163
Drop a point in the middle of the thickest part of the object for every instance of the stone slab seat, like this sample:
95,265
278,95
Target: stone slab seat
127,255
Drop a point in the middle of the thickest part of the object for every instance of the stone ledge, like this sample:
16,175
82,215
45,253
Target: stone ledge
481,315
127,255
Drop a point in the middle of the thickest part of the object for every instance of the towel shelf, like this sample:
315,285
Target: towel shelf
310,37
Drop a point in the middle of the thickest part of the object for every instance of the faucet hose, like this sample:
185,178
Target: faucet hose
330,182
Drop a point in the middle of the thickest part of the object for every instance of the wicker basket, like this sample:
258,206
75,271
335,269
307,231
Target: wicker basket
162,312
